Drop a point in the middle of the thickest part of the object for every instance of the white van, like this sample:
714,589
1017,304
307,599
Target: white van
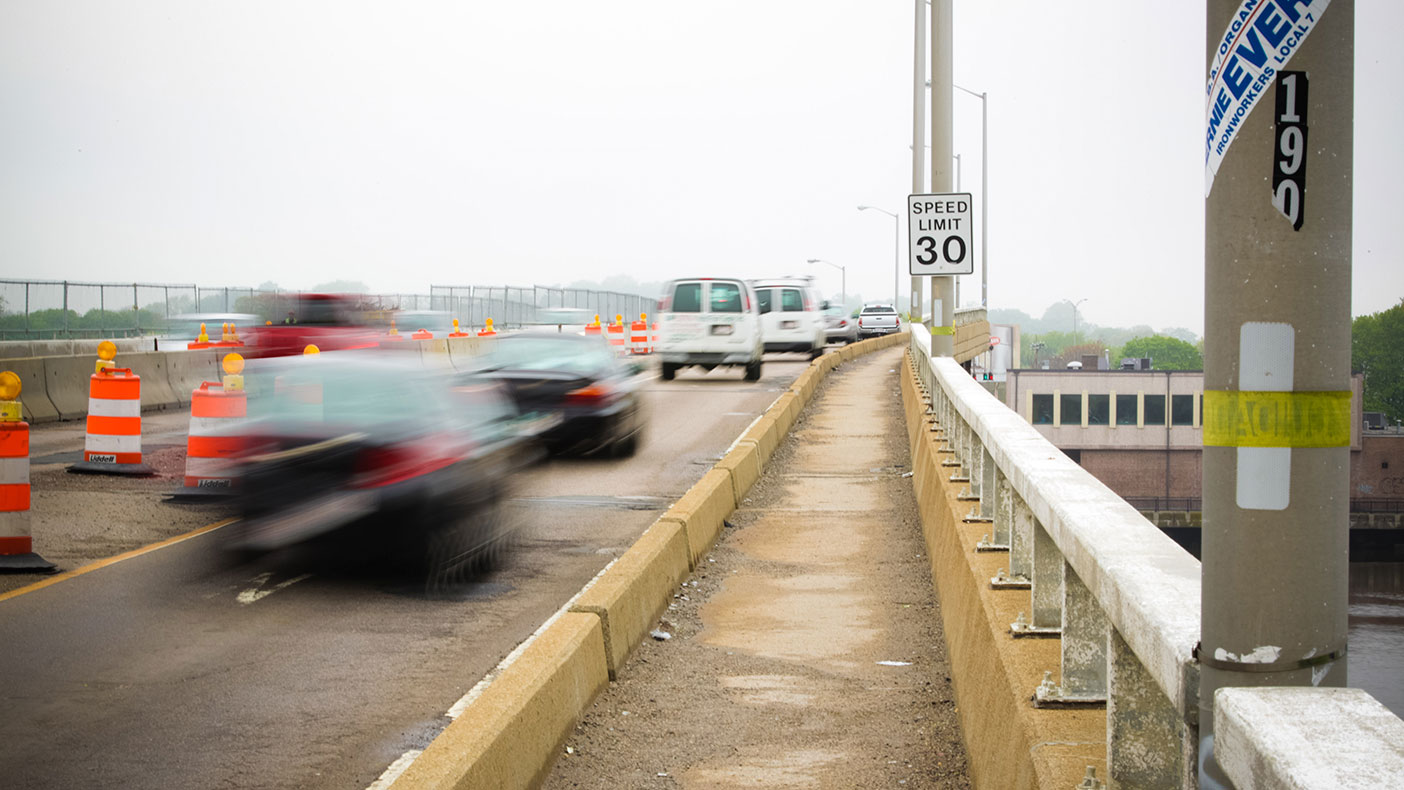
792,317
709,322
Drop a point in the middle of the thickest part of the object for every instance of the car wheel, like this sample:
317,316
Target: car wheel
753,371
626,447
667,371
816,352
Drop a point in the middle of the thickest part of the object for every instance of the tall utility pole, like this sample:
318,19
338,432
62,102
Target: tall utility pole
942,77
1277,425
918,135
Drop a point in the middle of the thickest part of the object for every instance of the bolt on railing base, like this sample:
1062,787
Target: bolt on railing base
1050,695
1090,781
986,544
974,517
966,495
1021,627
1003,581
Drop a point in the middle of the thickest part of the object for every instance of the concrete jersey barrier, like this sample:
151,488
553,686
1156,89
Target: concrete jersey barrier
510,734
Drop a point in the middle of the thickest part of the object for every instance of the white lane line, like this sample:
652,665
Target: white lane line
257,593
396,768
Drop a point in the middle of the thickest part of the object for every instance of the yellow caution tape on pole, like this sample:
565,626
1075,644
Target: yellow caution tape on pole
1276,419
943,330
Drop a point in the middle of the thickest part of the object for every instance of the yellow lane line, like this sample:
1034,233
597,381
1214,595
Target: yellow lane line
100,564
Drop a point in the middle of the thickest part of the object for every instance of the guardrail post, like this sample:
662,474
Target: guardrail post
1084,649
1148,743
1046,598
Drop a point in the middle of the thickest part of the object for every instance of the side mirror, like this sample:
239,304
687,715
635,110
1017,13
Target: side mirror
824,305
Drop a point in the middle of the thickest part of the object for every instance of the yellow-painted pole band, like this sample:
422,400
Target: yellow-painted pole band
943,330
1276,419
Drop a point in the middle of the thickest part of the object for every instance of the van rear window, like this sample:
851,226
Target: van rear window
687,298
790,301
726,298
763,297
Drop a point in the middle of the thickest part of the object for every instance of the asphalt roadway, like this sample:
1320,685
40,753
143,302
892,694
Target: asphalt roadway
182,667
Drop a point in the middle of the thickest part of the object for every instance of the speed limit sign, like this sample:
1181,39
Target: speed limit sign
941,230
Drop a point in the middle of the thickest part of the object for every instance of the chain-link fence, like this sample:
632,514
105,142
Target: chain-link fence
61,309
511,307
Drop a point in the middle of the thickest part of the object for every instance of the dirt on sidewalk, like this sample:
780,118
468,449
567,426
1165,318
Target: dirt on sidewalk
806,650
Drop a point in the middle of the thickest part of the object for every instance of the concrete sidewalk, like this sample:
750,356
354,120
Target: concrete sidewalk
806,649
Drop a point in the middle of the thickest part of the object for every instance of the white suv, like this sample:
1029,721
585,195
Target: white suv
709,322
791,315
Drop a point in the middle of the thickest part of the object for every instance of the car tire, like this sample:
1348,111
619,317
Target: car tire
626,447
815,352
667,370
753,371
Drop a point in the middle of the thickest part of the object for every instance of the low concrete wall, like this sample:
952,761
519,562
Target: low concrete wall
630,595
1011,744
523,716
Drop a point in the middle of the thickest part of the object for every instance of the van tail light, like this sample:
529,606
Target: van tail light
664,304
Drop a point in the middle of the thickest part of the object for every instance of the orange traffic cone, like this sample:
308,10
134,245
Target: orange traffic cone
16,547
113,444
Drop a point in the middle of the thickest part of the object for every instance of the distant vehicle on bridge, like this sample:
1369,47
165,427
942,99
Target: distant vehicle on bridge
332,322
709,322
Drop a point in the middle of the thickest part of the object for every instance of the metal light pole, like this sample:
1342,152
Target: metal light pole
1074,305
1277,405
843,275
984,195
896,251
918,137
942,71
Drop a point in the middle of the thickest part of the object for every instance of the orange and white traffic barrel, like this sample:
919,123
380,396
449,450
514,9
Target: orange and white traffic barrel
201,341
653,335
422,334
455,332
615,333
16,546
113,443
216,411
487,330
638,335
594,328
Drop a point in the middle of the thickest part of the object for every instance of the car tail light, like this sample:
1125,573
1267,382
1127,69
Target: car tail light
383,466
860,323
594,393
897,322
843,322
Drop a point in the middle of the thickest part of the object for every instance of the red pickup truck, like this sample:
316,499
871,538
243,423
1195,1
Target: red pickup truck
331,322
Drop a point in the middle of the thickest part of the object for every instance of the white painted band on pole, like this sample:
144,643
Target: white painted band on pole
1265,364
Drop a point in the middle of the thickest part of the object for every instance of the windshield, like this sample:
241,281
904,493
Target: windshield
578,356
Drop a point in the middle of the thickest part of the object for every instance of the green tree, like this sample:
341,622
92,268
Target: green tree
1377,351
1166,353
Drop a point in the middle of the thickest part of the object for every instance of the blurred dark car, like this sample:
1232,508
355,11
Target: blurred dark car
577,378
365,456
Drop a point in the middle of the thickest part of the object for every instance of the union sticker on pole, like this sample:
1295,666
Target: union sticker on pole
942,234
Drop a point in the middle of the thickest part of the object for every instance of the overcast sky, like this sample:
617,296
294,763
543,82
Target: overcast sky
410,144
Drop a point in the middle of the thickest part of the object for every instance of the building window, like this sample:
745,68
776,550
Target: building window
1155,410
1075,455
1126,410
1099,410
1182,410
1072,409
1043,410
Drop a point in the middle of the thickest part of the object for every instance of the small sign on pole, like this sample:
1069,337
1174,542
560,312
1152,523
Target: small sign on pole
941,232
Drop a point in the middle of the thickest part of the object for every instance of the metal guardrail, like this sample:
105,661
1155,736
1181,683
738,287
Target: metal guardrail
70,309
1121,595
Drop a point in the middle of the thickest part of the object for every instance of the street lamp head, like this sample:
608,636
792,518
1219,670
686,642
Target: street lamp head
813,260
